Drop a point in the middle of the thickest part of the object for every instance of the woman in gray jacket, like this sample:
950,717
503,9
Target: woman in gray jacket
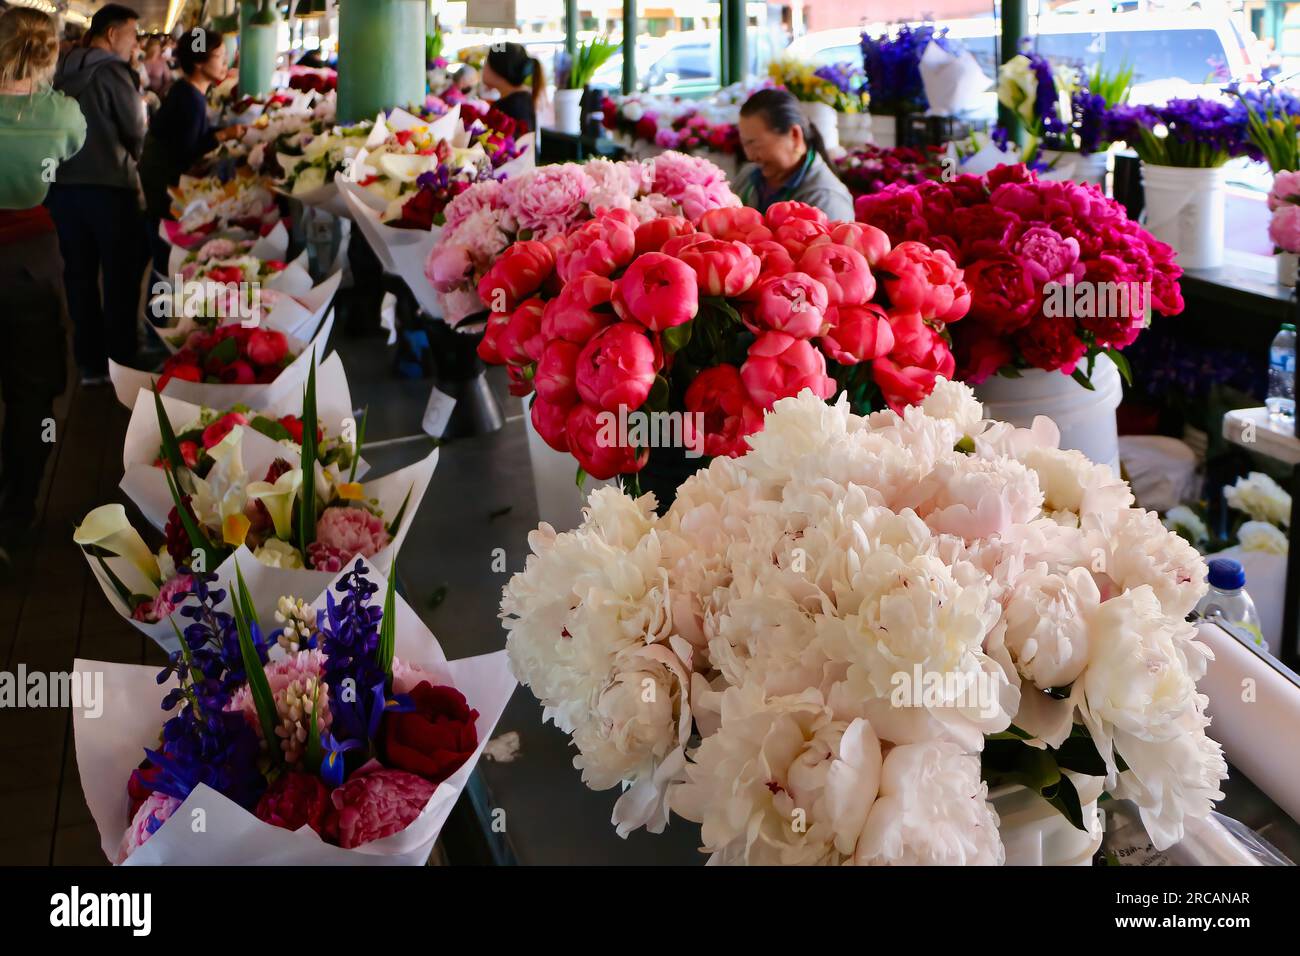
787,159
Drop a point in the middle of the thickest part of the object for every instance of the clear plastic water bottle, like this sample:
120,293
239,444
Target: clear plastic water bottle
1281,376
1227,601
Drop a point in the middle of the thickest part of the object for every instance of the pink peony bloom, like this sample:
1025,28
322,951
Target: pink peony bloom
549,199
794,303
449,266
696,185
722,267
342,534
374,803
842,270
658,291
601,246
488,194
554,379
858,333
1284,228
1286,189
779,366
153,813
617,368
573,315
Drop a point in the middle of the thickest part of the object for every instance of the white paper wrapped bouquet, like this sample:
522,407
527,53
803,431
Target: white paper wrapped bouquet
330,732
831,649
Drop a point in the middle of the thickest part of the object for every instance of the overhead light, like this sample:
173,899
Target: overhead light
174,8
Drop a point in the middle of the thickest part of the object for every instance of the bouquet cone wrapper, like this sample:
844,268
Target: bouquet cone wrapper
402,252
274,245
953,81
127,381
210,830
390,490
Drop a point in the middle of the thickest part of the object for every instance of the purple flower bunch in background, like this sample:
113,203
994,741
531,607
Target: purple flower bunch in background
893,68
1194,133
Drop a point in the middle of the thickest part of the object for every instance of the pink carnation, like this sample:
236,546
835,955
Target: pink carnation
153,813
546,201
696,185
376,802
344,533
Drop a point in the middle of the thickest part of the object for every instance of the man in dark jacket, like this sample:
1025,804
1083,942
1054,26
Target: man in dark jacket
95,196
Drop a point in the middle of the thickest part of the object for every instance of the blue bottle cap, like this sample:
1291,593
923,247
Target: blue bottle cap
1227,574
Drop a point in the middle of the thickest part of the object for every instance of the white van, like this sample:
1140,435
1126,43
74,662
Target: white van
1173,55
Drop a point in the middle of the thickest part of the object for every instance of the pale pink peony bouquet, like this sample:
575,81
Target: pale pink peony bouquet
1284,203
544,203
853,642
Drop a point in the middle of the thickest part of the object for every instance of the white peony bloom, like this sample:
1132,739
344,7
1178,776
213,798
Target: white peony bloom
278,554
1139,550
1261,497
932,811
1071,482
1047,625
956,402
976,498
1183,520
781,781
1262,536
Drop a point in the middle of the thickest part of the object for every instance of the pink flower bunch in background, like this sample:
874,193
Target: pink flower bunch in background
1284,203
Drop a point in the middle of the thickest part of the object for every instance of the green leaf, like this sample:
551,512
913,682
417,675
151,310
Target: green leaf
270,428
1065,798
580,478
388,624
966,445
307,499
224,352
360,442
129,598
657,400
258,686
1079,376
397,520
171,449
678,337
1122,364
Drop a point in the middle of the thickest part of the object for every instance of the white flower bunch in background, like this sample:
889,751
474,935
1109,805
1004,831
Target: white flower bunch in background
830,648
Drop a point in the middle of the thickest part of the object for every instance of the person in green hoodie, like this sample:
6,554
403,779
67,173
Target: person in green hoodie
39,128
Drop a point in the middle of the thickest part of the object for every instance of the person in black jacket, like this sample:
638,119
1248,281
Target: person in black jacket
180,134
518,78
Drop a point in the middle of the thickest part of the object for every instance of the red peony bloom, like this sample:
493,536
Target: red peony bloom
601,246
617,368
521,341
779,365
651,236
858,333
549,420
580,310
728,413
555,379
594,440
843,271
518,273
658,291
722,267
794,303
1003,295
739,223
435,738
266,347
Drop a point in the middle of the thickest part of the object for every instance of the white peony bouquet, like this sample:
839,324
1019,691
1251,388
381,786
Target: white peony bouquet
829,649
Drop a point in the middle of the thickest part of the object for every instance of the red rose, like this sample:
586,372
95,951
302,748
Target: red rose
517,273
728,413
266,347
294,800
186,372
435,738
293,425
222,427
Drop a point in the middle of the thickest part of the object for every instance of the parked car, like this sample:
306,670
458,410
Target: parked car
685,64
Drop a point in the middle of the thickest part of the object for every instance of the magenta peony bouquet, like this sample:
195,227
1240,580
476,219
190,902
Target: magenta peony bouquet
1057,272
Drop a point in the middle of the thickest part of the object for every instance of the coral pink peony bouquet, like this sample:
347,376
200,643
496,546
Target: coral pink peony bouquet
331,732
544,203
1057,273
1284,204
707,322
853,642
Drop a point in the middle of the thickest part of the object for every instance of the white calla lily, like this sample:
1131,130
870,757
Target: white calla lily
107,527
278,498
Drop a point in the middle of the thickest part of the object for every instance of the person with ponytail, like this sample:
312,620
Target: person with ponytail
518,78
39,128
787,159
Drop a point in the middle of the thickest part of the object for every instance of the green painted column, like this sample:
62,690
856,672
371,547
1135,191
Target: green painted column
737,41
256,50
571,26
381,56
629,46
1015,24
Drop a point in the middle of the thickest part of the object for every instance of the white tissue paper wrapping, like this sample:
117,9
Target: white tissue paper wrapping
111,746
390,491
953,82
402,252
274,245
128,381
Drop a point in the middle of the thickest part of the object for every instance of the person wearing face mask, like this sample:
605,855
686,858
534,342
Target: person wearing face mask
518,77
787,160
94,198
180,135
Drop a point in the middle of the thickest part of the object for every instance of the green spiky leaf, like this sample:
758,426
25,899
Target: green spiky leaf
258,686
307,494
388,624
401,512
198,540
360,442
171,449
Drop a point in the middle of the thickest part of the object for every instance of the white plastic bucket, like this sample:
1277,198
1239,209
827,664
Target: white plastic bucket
559,500
1035,833
568,111
1075,167
1286,265
855,129
1085,418
884,131
823,117
1185,207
